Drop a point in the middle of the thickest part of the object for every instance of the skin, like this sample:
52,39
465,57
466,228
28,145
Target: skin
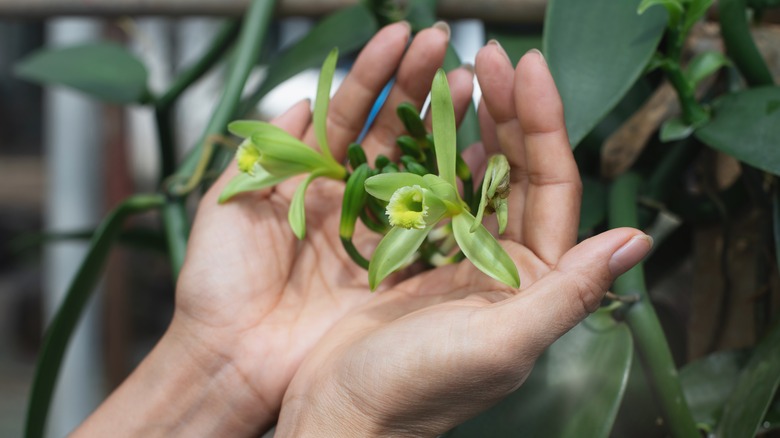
267,327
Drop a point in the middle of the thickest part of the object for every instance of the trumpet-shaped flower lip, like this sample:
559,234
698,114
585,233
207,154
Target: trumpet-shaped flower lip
247,157
406,208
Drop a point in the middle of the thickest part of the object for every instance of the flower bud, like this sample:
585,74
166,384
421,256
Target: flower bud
495,191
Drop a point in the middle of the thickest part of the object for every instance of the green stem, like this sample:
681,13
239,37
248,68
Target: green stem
353,252
177,230
641,318
64,323
213,53
164,105
250,41
739,43
166,140
693,113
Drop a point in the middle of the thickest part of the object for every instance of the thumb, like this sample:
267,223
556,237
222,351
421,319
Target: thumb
574,288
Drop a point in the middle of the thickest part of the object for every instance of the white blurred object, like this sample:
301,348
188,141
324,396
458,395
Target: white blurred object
468,36
149,39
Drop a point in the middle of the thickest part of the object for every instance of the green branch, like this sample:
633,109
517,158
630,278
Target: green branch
250,41
642,320
740,47
164,104
76,297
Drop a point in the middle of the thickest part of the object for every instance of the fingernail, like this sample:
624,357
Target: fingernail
631,253
500,49
468,67
541,56
444,27
406,24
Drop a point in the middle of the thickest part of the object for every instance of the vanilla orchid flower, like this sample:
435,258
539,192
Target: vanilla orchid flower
416,204
269,155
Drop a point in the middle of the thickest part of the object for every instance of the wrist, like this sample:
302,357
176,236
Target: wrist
304,416
181,389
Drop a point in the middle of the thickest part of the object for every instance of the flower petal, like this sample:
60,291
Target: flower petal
245,128
444,131
397,247
320,116
484,251
296,215
244,182
282,153
383,186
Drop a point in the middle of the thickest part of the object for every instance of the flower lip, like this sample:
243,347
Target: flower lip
247,157
407,208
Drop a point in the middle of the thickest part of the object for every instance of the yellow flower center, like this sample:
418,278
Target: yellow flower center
406,208
247,156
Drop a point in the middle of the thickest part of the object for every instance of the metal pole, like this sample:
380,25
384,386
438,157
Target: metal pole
73,173
507,11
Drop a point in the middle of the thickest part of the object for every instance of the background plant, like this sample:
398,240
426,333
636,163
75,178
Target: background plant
617,368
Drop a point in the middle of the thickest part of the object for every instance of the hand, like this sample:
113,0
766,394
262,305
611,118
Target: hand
252,300
440,347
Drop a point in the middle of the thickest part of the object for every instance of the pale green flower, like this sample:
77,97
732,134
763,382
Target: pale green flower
269,155
417,203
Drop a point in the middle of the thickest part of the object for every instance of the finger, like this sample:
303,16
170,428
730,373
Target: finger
496,79
487,127
412,85
352,102
294,120
552,204
461,82
475,157
562,298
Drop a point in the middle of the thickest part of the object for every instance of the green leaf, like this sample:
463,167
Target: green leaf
444,130
703,65
695,12
745,125
320,116
709,381
421,14
243,182
105,71
574,390
383,186
673,7
484,251
348,29
61,328
395,249
753,390
296,215
675,129
582,41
